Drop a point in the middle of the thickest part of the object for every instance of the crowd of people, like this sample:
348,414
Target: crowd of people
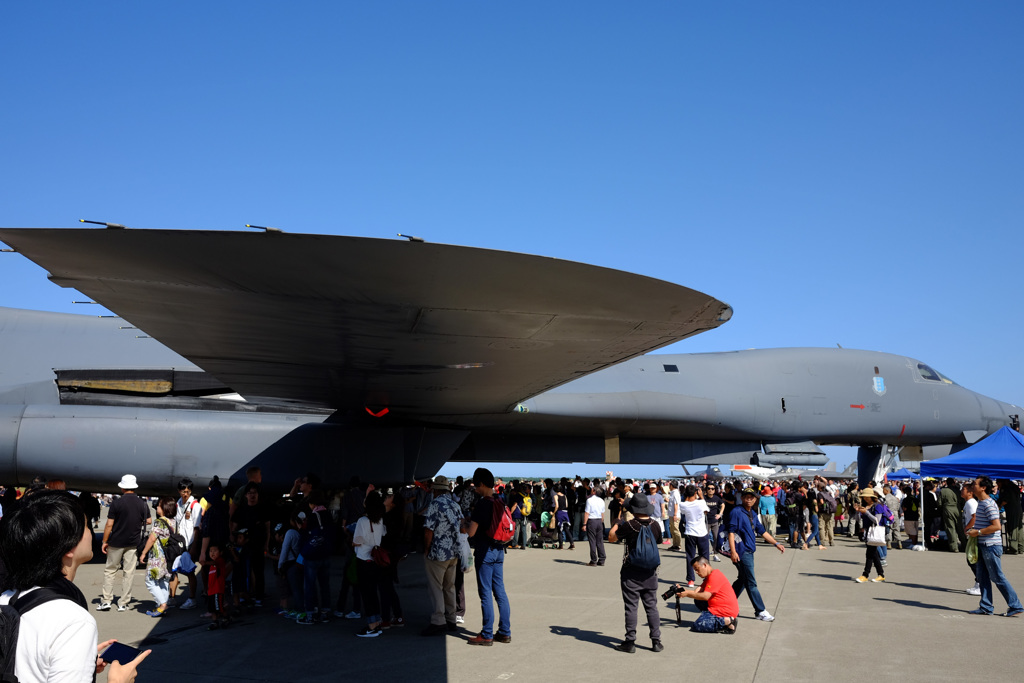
237,552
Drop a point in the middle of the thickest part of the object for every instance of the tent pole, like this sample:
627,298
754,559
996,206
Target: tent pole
920,517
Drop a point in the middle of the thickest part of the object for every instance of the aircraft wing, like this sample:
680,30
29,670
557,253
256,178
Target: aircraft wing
351,323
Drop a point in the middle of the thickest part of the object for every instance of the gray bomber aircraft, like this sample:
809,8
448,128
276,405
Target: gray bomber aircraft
387,358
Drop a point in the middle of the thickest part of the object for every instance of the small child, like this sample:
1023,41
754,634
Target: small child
281,578
216,587
349,580
242,572
289,567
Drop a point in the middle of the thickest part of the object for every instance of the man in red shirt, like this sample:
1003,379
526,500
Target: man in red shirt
715,598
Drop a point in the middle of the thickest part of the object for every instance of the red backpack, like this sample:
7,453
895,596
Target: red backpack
502,525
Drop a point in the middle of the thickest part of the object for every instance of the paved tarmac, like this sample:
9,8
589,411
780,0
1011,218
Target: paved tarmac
567,617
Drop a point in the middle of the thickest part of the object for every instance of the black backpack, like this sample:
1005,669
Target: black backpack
10,622
174,549
317,542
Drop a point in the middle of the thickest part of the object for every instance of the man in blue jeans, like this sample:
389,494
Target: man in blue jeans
489,558
743,528
988,530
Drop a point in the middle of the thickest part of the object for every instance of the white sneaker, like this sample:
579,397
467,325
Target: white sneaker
715,558
975,590
459,620
103,607
765,616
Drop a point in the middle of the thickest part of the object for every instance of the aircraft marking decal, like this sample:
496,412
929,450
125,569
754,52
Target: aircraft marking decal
859,407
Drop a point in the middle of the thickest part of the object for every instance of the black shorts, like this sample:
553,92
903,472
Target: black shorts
216,604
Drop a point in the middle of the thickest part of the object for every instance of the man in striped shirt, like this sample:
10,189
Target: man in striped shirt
987,530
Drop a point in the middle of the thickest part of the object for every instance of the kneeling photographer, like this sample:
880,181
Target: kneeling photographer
715,599
638,577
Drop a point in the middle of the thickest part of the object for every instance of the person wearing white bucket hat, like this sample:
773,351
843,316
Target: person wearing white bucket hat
126,519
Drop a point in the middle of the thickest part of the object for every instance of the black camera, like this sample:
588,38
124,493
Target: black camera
671,592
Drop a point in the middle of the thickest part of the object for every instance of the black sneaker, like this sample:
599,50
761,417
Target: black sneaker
656,646
626,646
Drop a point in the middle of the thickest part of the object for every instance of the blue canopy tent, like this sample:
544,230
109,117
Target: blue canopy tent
1000,456
901,474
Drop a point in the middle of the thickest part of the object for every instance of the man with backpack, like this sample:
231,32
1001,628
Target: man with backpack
744,527
826,514
486,522
638,577
43,543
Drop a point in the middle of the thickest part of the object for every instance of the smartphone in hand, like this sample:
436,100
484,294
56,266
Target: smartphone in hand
120,653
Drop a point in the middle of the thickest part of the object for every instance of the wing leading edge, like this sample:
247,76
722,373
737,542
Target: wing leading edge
351,323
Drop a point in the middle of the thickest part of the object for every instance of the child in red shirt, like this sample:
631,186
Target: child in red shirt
216,585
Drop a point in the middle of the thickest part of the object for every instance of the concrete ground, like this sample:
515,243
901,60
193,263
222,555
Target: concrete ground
566,618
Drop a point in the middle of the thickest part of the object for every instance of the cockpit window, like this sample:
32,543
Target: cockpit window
929,374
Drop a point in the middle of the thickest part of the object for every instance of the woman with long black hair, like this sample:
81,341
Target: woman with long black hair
368,535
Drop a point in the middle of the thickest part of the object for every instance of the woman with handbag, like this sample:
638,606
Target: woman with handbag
874,532
158,573
369,557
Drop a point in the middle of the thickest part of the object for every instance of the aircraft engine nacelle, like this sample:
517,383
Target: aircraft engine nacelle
91,447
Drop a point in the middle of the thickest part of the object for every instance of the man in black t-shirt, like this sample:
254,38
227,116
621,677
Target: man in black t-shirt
489,559
127,517
253,515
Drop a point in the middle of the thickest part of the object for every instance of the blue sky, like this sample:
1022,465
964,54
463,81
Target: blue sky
843,173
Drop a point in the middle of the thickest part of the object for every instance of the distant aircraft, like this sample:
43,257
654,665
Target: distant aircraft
755,472
829,472
386,359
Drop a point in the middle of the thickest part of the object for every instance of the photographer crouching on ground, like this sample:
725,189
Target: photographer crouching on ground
715,599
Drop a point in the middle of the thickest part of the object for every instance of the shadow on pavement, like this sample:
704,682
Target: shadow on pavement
586,636
836,577
938,589
920,605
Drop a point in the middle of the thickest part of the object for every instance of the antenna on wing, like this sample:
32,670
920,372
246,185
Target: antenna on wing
114,226
263,227
411,238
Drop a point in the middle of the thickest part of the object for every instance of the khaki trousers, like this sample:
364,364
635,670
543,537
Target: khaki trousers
677,538
124,559
827,528
441,587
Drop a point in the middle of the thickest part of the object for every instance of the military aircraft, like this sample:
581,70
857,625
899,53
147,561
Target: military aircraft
387,358
755,472
829,472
